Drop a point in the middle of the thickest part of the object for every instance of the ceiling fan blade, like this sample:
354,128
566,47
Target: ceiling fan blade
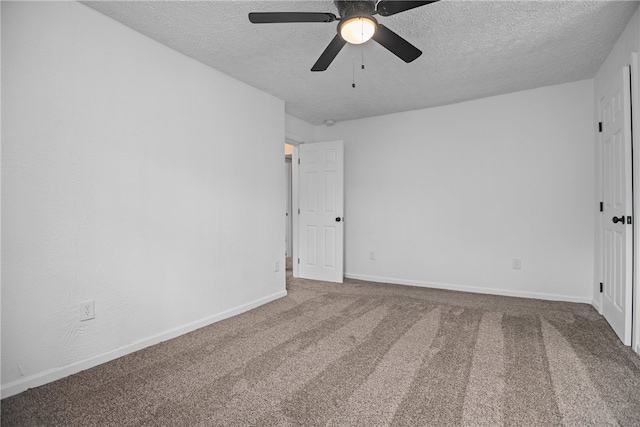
396,44
286,17
391,7
329,54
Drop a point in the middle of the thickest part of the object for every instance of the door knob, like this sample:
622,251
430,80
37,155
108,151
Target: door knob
616,220
338,219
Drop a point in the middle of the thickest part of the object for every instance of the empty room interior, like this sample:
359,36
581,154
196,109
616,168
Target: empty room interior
448,239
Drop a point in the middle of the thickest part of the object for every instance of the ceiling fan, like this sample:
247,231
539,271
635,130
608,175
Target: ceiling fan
357,25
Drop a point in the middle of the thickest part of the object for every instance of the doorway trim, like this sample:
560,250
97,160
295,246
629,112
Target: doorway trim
295,208
295,141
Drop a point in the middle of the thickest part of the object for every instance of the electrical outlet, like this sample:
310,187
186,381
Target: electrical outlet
372,255
517,263
87,310
277,266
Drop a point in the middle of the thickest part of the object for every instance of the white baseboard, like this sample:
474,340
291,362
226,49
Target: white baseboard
477,290
596,305
54,374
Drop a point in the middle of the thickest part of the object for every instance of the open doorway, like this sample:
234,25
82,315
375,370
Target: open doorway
288,153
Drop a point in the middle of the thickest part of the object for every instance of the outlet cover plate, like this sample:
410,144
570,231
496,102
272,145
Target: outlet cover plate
517,263
87,310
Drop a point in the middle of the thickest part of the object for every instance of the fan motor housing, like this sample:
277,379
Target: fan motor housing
349,9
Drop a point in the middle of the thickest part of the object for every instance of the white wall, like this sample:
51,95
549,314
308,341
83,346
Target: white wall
131,175
298,131
448,196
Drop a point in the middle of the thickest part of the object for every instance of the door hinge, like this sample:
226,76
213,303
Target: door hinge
600,127
601,207
298,161
298,260
629,220
601,287
298,211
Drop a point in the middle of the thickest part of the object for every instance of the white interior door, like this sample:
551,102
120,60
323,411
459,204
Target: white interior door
321,215
615,113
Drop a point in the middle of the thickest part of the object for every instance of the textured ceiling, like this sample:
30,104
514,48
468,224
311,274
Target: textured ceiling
471,49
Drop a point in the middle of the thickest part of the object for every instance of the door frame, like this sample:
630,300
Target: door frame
288,161
295,141
295,208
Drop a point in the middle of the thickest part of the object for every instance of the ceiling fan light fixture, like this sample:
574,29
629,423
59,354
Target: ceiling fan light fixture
358,29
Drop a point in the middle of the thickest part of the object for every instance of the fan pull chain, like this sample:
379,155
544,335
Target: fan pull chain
362,45
353,69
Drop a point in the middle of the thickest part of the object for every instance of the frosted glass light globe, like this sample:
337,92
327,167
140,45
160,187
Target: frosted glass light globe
357,30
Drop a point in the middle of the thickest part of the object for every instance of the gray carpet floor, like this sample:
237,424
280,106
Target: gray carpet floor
362,354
